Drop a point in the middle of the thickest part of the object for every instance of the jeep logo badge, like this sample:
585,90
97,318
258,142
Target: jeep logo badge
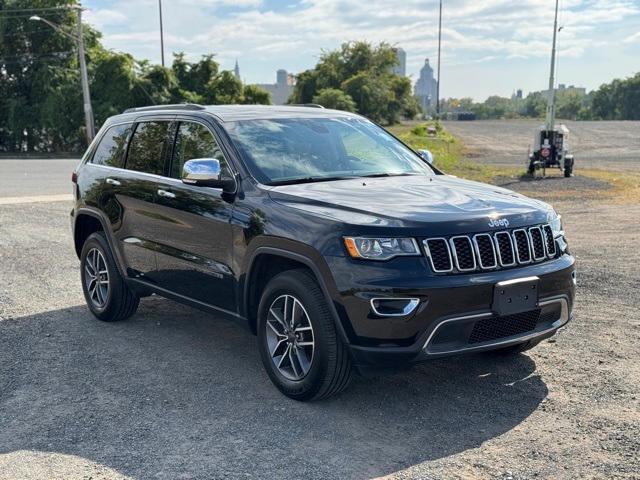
499,222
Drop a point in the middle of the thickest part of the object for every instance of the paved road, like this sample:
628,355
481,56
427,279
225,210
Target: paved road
35,177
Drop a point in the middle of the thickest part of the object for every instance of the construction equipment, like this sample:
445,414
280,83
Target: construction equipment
550,146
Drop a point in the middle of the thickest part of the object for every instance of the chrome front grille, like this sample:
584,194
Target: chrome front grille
490,251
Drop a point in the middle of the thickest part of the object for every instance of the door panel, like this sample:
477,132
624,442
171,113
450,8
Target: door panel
195,254
196,249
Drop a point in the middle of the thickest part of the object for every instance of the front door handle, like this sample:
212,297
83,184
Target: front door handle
112,181
165,194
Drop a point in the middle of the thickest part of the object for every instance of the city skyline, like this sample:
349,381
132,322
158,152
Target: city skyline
497,43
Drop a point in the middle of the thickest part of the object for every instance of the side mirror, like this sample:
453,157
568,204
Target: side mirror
206,172
426,155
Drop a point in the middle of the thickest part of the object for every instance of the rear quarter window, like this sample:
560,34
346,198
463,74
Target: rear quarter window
110,150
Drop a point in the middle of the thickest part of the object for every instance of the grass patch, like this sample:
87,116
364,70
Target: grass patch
448,151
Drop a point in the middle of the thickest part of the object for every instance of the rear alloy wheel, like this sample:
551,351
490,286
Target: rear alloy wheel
96,278
300,348
107,295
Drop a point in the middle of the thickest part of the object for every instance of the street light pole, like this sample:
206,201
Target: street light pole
84,79
551,99
161,33
439,44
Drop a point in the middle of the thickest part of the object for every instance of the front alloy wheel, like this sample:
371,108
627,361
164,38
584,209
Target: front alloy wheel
300,348
289,336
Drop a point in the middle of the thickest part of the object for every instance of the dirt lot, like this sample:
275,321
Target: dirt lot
175,393
613,145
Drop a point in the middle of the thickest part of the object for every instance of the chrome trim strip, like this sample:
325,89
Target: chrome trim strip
546,228
425,244
493,248
564,318
455,254
532,246
517,250
513,250
408,309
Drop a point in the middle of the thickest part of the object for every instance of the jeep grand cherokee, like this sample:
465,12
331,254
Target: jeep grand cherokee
340,247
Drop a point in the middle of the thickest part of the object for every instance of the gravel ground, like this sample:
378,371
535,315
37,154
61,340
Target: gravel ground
175,393
614,144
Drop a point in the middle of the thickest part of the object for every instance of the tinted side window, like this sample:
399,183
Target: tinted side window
110,150
146,151
195,141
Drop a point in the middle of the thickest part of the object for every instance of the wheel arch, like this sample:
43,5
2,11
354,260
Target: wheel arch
88,221
275,259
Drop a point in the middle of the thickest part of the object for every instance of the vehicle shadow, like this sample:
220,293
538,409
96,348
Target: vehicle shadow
175,393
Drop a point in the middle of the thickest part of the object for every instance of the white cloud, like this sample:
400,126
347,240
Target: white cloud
293,36
633,38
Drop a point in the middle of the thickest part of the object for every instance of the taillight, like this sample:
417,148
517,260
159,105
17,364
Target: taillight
74,177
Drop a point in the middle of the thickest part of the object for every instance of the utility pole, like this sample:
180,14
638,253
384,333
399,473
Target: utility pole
439,44
551,98
86,96
84,79
161,33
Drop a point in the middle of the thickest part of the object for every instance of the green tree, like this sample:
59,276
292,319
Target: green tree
334,98
254,95
363,72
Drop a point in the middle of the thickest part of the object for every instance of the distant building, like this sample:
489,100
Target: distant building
426,87
401,68
236,70
517,95
282,89
562,88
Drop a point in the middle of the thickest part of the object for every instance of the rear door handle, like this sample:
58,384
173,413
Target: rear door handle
112,181
165,194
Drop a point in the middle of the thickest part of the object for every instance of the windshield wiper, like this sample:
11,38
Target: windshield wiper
294,181
373,175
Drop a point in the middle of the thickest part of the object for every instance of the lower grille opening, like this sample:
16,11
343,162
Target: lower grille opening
501,327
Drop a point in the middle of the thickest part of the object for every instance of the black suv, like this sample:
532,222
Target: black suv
339,246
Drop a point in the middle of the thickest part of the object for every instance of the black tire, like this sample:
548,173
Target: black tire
119,302
513,349
568,167
330,366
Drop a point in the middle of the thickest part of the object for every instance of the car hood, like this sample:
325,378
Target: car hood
414,201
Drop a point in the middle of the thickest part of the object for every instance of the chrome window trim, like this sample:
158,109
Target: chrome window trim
477,250
532,247
517,250
546,243
564,318
408,309
513,250
455,255
425,244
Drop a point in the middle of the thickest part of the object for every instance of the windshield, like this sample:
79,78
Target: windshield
281,151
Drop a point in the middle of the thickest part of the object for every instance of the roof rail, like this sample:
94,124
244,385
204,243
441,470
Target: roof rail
312,105
178,106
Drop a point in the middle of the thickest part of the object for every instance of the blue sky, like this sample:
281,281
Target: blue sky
489,46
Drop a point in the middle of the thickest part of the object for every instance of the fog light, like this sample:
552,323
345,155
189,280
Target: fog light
393,307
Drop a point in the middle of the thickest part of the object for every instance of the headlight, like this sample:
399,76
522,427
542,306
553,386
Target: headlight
555,221
380,248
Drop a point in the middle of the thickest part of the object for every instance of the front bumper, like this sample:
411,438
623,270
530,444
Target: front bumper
454,314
